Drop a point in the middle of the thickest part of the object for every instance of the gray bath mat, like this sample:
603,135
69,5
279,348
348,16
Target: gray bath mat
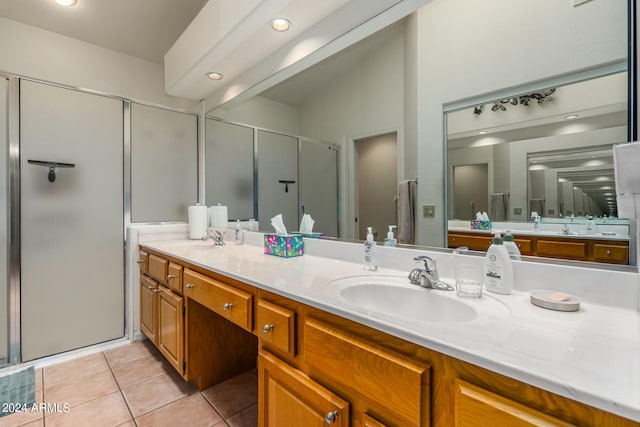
17,391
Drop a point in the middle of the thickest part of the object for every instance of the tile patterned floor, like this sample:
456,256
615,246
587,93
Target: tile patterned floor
131,386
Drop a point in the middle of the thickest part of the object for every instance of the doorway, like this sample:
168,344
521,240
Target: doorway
470,190
376,184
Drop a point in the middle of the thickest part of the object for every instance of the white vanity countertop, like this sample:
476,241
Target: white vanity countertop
592,356
544,233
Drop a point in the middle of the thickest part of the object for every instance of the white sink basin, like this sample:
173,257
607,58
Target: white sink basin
396,297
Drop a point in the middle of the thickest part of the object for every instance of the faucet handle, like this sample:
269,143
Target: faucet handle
429,263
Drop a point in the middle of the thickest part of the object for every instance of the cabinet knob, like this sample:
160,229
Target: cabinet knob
267,328
151,288
157,291
189,286
227,306
331,417
171,276
140,261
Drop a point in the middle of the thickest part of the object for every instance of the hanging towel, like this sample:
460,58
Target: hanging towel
407,191
498,207
536,205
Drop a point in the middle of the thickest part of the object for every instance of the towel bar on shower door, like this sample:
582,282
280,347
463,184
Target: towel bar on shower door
52,166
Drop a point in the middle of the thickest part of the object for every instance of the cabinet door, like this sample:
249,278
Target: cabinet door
289,398
171,327
149,308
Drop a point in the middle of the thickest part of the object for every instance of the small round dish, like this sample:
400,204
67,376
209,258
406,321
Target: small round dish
554,300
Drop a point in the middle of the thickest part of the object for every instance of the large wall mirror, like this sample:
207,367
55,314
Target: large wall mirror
547,152
401,79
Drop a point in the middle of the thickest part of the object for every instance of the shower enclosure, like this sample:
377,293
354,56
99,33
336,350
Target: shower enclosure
66,196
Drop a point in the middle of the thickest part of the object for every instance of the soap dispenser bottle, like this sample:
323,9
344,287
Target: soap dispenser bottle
370,251
498,271
511,246
390,240
238,234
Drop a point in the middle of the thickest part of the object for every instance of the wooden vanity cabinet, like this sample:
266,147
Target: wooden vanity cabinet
594,250
317,368
162,310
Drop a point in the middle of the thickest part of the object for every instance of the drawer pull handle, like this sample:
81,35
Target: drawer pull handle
171,276
609,252
189,286
151,288
267,328
331,417
157,291
227,306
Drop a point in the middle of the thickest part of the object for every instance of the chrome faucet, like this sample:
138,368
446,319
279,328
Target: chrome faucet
218,237
565,229
428,276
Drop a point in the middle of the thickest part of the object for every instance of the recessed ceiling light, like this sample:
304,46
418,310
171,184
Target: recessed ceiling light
483,132
571,117
66,3
280,24
215,75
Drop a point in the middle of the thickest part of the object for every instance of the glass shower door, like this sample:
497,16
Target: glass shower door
4,222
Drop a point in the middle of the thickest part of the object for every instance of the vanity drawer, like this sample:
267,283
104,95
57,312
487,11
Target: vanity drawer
391,380
562,249
275,326
477,407
475,243
143,262
174,277
611,253
231,303
525,246
158,268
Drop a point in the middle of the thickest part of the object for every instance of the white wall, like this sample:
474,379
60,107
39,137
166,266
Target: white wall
31,52
468,48
262,112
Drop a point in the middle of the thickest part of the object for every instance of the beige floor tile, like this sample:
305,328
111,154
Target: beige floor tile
155,393
36,423
130,352
108,411
140,370
234,394
27,416
77,392
192,411
75,369
129,423
246,418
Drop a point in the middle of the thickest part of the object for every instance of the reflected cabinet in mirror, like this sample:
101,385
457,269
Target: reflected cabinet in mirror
487,69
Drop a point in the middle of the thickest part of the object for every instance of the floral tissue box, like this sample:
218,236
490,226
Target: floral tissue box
285,246
476,224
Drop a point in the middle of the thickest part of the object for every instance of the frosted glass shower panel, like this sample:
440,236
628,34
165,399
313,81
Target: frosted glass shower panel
319,185
277,179
164,164
229,168
72,229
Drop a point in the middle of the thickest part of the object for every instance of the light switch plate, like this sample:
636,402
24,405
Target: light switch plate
579,2
428,211
517,211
